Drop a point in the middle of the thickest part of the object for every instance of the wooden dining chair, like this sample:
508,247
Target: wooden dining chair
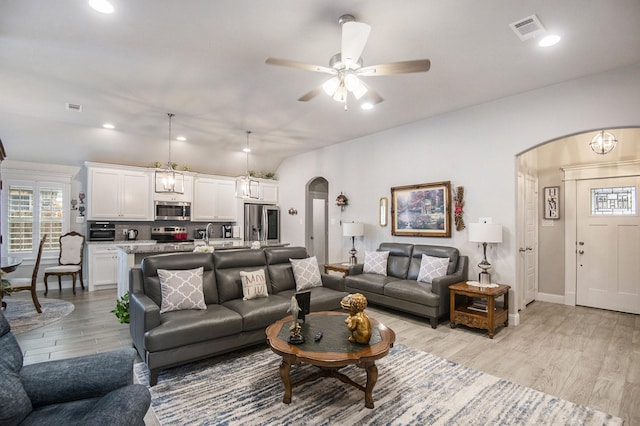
69,262
34,277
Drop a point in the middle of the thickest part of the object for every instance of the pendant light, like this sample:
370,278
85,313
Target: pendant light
248,187
169,180
603,142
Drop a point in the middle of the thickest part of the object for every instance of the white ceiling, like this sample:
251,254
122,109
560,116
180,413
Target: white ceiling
204,61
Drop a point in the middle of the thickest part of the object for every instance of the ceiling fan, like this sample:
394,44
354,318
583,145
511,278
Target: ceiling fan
347,67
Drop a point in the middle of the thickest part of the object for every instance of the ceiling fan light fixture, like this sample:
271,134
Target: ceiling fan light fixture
330,86
341,94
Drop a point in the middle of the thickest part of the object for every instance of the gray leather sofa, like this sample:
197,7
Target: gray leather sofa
229,322
400,289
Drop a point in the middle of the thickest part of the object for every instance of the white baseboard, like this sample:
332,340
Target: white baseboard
552,298
514,319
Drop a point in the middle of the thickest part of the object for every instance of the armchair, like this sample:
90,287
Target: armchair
89,390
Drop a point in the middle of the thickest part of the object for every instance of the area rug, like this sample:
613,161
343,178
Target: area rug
22,315
414,387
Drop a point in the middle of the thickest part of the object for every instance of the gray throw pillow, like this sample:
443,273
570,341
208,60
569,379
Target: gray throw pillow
432,267
306,273
181,289
375,262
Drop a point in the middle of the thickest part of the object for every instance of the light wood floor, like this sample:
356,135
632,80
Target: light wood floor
588,356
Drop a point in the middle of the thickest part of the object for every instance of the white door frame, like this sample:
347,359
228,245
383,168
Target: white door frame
572,174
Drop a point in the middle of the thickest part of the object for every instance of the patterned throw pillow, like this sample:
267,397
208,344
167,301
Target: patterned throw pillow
254,284
375,262
432,267
181,289
306,273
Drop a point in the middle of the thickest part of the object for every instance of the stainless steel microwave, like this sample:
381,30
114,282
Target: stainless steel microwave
172,210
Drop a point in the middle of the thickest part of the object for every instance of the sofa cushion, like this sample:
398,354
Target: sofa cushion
259,313
181,328
399,258
254,284
279,266
367,282
434,251
174,261
15,404
228,265
432,267
181,289
375,262
412,291
306,273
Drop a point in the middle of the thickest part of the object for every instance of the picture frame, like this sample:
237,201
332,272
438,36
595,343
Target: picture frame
422,210
551,202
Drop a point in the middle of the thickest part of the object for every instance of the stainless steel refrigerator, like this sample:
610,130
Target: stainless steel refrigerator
262,223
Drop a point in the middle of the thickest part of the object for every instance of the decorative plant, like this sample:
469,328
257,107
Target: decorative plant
270,175
458,197
122,309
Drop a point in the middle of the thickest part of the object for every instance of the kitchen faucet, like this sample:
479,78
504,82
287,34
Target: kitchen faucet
206,233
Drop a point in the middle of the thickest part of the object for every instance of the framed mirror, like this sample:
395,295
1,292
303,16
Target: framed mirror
383,207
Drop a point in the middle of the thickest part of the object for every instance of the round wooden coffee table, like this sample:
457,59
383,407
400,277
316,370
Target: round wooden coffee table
331,353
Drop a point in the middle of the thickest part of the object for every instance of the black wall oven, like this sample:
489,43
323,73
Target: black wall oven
102,231
172,210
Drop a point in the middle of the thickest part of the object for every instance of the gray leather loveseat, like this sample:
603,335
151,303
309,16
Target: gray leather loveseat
229,322
400,290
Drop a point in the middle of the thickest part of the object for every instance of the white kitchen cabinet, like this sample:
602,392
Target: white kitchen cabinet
118,194
103,266
214,200
269,192
186,196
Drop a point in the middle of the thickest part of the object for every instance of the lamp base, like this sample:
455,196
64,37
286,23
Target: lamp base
353,259
484,277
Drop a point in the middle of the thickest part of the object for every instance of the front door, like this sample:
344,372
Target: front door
608,244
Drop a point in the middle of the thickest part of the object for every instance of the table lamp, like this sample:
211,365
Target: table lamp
485,233
353,230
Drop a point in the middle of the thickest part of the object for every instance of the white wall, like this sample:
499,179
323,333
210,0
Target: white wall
475,147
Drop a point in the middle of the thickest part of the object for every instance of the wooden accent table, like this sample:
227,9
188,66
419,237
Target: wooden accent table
331,353
343,268
467,315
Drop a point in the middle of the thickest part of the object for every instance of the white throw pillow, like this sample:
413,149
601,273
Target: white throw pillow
432,267
306,273
375,262
254,284
181,289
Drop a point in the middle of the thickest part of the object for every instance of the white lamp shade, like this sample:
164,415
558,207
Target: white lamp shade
352,229
485,233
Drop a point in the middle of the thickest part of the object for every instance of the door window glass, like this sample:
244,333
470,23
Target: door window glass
614,201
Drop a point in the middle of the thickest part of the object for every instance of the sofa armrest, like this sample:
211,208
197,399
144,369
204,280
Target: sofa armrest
332,281
144,315
356,269
441,285
90,376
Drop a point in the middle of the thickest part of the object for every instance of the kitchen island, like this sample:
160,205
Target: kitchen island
131,255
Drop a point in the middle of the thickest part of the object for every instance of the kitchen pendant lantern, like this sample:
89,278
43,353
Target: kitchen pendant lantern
247,187
169,180
603,142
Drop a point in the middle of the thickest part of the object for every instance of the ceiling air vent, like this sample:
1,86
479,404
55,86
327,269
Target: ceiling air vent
74,107
528,27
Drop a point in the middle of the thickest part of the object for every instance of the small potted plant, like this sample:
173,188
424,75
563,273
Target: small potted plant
121,310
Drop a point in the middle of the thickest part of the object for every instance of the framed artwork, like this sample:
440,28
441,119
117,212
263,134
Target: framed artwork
552,202
421,210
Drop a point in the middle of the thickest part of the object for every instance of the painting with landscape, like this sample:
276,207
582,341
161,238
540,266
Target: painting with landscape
422,210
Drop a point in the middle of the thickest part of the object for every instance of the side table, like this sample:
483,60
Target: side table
342,268
472,316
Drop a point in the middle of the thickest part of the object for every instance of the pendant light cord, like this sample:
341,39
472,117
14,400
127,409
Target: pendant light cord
171,115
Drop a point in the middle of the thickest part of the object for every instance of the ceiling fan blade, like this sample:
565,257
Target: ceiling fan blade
419,65
354,38
311,94
300,65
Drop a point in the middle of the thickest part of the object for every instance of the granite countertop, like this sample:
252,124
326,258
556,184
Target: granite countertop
187,247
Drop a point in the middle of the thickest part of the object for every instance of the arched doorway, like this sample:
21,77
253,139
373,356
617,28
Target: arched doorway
317,197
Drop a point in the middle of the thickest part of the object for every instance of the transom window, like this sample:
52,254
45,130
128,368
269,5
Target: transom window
614,201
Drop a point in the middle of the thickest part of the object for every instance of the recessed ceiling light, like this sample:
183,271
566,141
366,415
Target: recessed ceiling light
246,149
181,138
549,40
108,126
102,6
367,105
